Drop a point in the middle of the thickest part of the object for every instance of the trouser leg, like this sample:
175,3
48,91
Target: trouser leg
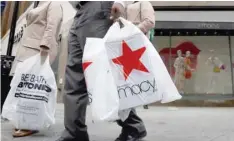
76,97
133,123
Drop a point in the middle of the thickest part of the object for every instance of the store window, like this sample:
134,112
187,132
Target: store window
162,44
201,64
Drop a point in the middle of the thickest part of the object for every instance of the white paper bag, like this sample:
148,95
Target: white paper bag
31,101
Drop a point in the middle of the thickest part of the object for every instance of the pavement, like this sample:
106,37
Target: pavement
162,123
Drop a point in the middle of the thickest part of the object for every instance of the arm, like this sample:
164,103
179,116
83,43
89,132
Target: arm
188,65
54,19
208,62
148,16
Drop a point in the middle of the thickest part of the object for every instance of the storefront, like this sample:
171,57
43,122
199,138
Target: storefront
205,68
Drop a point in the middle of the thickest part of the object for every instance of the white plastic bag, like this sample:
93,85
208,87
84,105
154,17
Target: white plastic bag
100,83
31,101
140,75
115,89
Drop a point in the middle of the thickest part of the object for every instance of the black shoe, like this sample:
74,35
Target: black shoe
146,107
124,136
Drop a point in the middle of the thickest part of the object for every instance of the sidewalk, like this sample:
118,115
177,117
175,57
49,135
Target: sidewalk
163,124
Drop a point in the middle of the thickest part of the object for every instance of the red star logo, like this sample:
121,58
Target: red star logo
86,64
130,60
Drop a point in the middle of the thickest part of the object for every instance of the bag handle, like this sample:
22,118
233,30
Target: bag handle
120,23
44,60
123,22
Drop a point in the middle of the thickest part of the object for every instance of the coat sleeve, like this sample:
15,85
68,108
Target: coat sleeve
54,19
148,16
124,3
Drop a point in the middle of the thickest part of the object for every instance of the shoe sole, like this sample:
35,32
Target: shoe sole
143,135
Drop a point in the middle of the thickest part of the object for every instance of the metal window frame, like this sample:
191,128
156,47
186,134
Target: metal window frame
231,59
12,29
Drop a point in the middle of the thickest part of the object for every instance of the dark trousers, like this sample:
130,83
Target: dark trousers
92,20
5,88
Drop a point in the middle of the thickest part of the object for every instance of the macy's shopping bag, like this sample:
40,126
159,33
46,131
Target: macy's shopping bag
31,100
139,73
123,70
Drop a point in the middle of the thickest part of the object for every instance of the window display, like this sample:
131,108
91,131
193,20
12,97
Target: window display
207,64
198,64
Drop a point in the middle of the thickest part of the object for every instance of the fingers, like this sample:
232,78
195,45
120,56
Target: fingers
117,11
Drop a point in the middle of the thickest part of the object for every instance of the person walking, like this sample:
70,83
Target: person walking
91,20
141,13
40,36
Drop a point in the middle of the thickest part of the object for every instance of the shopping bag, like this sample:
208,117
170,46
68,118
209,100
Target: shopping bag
31,101
102,91
139,73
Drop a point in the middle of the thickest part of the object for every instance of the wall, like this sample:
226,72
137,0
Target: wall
202,16
192,3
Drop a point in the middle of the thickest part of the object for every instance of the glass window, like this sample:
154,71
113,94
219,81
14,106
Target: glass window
201,64
162,44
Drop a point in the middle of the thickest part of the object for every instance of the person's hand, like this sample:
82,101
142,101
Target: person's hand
117,11
44,53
